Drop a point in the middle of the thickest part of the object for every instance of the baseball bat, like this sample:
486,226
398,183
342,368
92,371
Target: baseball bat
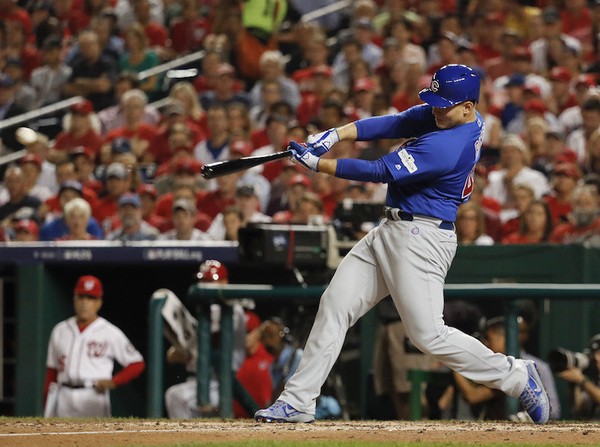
220,168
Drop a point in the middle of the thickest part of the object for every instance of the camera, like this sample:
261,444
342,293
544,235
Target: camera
561,359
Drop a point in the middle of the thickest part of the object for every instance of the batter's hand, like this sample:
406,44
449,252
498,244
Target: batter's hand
303,156
102,385
322,142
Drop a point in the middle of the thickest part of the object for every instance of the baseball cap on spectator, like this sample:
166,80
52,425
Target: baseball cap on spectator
322,70
116,170
87,152
31,158
535,105
515,141
120,146
585,79
130,199
184,204
225,69
89,285
186,166
560,74
363,85
252,321
28,226
363,22
299,179
71,184
83,107
147,189
550,15
174,108
515,80
532,88
240,147
245,191
6,81
568,169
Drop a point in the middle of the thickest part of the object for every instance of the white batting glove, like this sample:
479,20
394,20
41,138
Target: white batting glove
322,142
303,156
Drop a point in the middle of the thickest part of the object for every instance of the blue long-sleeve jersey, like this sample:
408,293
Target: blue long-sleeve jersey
430,175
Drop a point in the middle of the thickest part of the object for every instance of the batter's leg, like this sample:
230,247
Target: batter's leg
355,288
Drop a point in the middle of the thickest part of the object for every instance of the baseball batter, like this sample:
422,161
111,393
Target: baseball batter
81,355
409,254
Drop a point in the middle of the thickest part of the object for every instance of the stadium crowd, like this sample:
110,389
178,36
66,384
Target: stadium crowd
123,163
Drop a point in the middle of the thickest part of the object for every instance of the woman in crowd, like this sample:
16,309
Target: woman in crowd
470,225
536,225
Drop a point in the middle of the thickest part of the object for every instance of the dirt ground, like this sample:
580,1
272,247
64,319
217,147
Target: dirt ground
51,433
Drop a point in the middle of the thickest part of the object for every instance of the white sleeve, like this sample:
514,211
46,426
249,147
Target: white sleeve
124,351
52,356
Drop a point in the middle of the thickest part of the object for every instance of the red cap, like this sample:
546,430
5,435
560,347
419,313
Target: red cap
364,84
568,169
147,188
186,166
84,150
585,79
89,285
535,105
521,53
322,70
241,147
533,88
212,270
299,179
28,226
32,158
560,74
252,321
83,107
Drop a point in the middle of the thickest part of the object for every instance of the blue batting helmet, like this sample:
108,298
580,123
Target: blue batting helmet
451,85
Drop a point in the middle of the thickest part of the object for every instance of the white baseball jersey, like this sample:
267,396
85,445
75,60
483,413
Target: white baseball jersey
81,358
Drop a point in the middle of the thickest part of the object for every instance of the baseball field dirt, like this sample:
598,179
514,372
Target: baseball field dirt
34,432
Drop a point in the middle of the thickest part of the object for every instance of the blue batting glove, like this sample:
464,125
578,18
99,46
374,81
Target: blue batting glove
322,142
303,156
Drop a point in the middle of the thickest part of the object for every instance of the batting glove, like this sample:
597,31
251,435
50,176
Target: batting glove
322,142
303,156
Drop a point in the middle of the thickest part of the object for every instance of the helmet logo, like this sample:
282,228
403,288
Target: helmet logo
435,86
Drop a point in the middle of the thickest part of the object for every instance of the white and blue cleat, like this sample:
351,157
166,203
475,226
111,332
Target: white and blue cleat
281,411
534,398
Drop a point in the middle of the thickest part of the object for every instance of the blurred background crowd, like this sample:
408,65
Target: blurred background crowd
122,160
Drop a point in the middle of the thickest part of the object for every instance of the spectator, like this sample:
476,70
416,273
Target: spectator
84,160
579,139
514,170
173,135
592,157
8,109
564,182
309,210
26,230
584,225
470,225
56,225
216,147
139,57
183,188
78,381
148,196
270,94
94,76
570,119
133,227
110,43
139,133
252,177
77,213
25,95
321,84
296,185
402,31
271,65
113,117
562,96
117,183
224,195
156,33
209,67
522,196
240,125
31,165
18,197
246,200
403,84
535,225
19,46
350,51
225,90
80,128
188,30
184,219
37,143
193,114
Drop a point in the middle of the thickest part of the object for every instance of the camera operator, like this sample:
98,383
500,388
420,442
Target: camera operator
582,370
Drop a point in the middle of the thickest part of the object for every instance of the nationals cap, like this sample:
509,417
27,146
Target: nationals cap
451,85
89,285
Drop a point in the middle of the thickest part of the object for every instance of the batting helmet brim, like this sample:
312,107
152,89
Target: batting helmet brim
436,100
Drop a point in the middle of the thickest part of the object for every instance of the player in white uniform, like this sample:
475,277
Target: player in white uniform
409,254
81,355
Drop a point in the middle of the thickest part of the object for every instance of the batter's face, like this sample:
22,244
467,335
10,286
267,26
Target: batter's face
449,117
86,308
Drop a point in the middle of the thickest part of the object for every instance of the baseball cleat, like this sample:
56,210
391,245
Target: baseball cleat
281,411
534,398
